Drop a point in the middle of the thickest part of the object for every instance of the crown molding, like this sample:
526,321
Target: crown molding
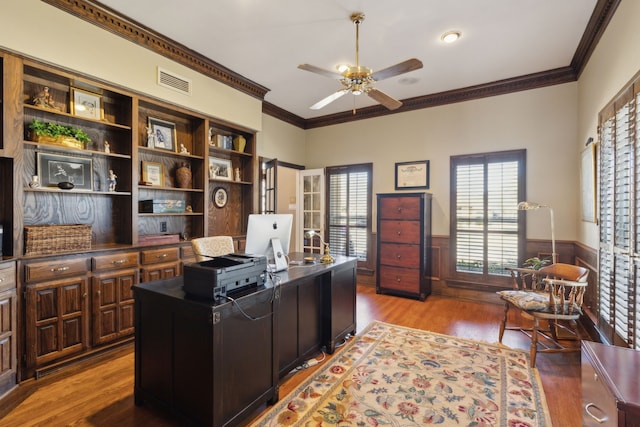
108,19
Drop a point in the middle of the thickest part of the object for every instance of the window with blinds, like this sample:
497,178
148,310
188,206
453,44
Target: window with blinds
486,233
619,212
349,210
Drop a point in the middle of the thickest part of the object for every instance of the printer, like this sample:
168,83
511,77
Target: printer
223,275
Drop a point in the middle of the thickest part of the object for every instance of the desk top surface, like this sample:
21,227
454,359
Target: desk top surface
298,269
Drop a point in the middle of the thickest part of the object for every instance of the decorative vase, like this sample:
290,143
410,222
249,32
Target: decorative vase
239,143
183,176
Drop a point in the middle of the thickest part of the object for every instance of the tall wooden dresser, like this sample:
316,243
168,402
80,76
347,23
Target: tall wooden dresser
403,264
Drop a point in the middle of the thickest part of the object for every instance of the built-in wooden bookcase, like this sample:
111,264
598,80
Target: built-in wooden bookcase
238,184
108,212
190,134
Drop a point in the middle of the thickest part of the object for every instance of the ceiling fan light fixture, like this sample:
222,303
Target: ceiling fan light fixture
450,36
342,68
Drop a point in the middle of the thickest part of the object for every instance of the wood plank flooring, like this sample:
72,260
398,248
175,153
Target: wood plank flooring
99,392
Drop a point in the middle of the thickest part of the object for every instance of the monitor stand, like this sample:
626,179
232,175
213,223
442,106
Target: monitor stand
278,255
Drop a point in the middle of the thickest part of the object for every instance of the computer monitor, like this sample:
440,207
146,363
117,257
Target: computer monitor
269,235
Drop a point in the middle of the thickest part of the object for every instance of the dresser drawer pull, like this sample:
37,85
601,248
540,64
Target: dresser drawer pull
398,279
398,256
162,256
399,209
119,261
587,408
399,232
59,269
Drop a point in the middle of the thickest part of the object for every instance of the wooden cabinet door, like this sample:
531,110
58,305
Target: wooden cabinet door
8,364
56,319
112,304
160,271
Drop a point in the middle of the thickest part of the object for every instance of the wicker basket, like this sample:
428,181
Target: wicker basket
52,239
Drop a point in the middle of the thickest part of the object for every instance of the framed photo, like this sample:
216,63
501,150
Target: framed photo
86,104
412,175
54,169
162,134
153,174
219,168
220,197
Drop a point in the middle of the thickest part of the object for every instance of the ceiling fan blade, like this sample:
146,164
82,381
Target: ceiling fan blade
329,99
384,99
321,71
400,68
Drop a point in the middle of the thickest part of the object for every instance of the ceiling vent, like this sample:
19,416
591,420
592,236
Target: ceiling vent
174,81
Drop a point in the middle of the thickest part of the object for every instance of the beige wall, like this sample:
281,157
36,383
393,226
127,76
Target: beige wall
35,29
543,121
613,64
551,123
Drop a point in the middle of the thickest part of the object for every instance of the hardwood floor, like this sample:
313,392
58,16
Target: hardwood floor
99,392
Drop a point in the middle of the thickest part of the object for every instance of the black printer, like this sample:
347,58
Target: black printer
223,275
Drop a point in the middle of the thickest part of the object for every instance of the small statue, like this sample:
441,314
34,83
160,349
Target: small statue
35,181
237,174
44,99
107,149
112,180
183,149
151,138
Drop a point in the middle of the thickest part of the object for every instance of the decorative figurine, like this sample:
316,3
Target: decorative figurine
237,174
151,138
44,99
35,181
112,180
183,149
188,209
107,149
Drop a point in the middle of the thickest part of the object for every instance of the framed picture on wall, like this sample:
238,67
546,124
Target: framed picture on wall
412,175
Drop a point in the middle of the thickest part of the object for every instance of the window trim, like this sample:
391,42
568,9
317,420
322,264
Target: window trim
360,167
484,280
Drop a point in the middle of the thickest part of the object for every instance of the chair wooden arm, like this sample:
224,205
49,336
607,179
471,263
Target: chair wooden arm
524,279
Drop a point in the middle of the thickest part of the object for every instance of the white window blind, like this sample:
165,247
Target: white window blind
485,226
349,210
619,212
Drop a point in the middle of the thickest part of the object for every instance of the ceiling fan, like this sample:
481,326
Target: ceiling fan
358,79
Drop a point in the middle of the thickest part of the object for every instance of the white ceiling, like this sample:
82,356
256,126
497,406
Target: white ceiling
265,41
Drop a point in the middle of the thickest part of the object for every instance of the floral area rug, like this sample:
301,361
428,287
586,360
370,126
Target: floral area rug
395,376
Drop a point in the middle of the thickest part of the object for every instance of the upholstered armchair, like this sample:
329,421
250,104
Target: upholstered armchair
551,298
208,247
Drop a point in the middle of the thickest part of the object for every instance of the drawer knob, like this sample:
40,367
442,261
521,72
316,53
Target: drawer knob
162,256
399,209
587,408
399,232
118,261
59,269
398,256
398,279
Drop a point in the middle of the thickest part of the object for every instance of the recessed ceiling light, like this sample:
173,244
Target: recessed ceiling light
450,36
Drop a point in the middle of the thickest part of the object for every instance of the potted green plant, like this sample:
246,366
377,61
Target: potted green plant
535,263
53,133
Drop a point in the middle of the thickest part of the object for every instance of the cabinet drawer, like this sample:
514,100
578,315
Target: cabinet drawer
55,268
400,231
400,279
597,400
7,276
400,255
156,256
400,208
115,261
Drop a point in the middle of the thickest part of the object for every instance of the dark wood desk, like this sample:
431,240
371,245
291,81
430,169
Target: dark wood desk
213,363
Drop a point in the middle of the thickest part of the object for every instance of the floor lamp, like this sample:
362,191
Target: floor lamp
528,206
